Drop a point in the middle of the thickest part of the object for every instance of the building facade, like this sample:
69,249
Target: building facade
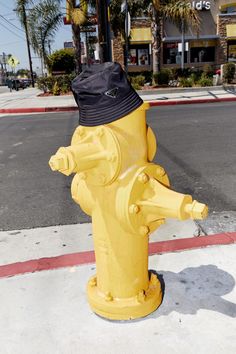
214,44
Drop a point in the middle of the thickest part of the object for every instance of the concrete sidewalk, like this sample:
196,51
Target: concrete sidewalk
28,101
47,312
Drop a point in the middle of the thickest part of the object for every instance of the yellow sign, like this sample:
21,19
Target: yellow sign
13,62
231,30
206,43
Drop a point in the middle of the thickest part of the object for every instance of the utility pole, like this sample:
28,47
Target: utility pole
126,36
104,29
183,44
28,43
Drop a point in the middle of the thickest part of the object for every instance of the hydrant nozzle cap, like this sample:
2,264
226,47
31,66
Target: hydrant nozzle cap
197,210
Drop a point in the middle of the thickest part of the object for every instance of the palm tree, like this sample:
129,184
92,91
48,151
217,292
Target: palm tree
21,13
179,12
78,15
44,20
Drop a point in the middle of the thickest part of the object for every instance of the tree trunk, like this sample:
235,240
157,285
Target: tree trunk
77,43
156,40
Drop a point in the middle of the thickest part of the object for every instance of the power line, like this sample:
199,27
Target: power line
12,24
11,31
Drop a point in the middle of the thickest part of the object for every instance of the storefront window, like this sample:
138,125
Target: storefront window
171,54
202,54
232,51
228,10
142,56
139,55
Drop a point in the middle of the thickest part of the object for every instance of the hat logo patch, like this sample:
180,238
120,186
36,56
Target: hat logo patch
112,93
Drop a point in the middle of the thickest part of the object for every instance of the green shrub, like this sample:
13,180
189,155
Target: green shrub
46,84
163,77
208,70
195,76
56,89
229,72
205,81
62,60
185,82
137,81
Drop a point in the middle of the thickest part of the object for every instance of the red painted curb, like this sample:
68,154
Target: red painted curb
38,109
152,104
200,100
75,259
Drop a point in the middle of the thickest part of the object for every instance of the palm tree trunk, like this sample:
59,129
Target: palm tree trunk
156,41
77,43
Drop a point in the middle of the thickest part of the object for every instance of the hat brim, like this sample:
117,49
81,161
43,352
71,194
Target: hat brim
92,117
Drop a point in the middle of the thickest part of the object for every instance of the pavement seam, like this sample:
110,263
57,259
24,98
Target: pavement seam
88,257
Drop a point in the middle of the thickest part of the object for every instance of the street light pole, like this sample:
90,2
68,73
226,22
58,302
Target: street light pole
104,29
28,44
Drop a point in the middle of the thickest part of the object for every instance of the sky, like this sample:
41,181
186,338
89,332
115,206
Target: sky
12,37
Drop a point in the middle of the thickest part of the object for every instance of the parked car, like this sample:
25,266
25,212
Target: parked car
17,84
25,82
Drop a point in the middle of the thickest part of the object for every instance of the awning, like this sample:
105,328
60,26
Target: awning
225,6
231,31
207,29
140,35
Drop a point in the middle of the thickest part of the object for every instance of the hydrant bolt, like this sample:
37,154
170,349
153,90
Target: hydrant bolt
160,171
153,280
144,230
134,209
141,296
143,178
108,297
93,282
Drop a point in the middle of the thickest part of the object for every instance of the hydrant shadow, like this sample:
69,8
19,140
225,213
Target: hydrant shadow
193,289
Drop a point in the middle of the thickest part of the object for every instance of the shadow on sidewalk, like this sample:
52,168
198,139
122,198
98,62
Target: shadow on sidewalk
197,288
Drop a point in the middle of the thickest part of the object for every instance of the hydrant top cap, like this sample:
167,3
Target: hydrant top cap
104,94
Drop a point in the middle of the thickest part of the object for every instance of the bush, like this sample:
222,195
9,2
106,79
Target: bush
185,82
163,77
56,89
62,60
47,84
229,72
208,70
196,76
137,81
205,81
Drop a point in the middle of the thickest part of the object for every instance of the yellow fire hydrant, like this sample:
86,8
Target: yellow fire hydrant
128,197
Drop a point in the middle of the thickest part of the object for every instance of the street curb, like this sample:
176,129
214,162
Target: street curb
152,104
88,257
38,109
197,101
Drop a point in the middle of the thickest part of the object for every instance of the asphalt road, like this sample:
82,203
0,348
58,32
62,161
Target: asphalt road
196,145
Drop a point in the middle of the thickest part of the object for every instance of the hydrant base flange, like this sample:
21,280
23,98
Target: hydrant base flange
130,308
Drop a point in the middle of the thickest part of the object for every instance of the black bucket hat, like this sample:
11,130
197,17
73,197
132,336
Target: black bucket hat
104,94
